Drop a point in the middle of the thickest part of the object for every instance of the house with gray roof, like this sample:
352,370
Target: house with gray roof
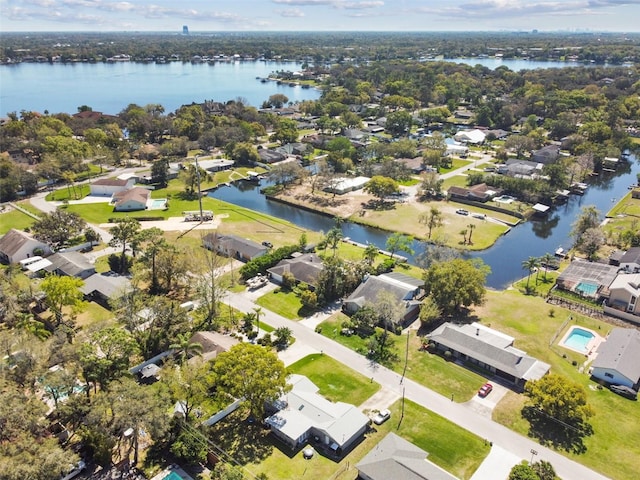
394,457
234,246
305,267
623,297
70,264
546,155
406,291
630,260
490,350
16,245
303,415
618,359
213,344
102,287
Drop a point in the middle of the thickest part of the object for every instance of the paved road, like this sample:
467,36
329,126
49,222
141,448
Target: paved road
460,414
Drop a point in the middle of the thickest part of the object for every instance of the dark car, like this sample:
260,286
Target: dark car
267,244
485,390
624,391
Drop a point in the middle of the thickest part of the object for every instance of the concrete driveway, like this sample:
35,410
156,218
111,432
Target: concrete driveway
484,406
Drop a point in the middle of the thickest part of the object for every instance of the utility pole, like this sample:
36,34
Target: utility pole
199,193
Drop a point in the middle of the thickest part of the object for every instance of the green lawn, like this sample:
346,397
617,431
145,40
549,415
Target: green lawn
282,302
75,192
456,164
425,368
14,219
336,381
615,444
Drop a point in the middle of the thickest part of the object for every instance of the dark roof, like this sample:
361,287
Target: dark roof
395,458
490,347
400,286
631,256
112,182
581,270
621,352
106,285
304,268
243,246
71,264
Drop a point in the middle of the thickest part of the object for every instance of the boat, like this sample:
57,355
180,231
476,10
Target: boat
561,252
578,188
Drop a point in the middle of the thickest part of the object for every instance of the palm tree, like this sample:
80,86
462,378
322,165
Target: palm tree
186,347
258,312
33,326
546,260
464,236
471,226
333,238
530,264
370,253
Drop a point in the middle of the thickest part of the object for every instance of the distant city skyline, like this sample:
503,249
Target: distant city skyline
319,15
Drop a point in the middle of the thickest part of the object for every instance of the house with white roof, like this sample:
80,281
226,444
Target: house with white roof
106,187
488,349
618,359
303,415
474,137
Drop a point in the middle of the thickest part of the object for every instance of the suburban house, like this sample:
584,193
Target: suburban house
406,292
216,165
305,267
106,187
416,165
344,185
618,359
131,200
476,193
16,245
623,297
546,155
457,149
101,288
394,457
488,349
515,167
303,415
70,264
630,260
589,279
474,137
270,156
213,343
234,246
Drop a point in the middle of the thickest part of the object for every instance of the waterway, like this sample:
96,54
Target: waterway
533,238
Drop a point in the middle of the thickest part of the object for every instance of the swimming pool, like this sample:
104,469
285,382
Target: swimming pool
173,476
586,289
504,199
578,339
158,203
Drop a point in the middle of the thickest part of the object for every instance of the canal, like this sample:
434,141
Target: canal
505,257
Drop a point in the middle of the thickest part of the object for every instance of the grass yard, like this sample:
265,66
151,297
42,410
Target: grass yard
428,369
11,218
282,302
337,382
456,180
456,164
625,215
75,192
615,444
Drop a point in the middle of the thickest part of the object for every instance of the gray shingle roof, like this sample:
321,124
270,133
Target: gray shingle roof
73,264
490,347
395,458
228,243
400,286
621,352
106,285
304,268
13,240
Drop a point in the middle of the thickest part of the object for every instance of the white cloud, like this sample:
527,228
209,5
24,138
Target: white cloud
291,13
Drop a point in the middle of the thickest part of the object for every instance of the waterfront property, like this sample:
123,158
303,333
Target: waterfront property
233,246
588,279
623,297
580,340
304,268
394,457
131,200
488,349
303,415
618,359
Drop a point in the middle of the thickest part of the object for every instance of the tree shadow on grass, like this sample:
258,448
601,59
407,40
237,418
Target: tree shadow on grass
550,432
245,440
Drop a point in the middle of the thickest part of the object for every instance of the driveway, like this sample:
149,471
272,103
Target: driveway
484,406
497,465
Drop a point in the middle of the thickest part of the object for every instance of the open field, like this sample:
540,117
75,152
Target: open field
11,218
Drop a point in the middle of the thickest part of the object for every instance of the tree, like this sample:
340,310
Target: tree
160,172
398,123
333,239
544,470
63,292
432,219
589,217
286,131
381,187
558,411
287,173
370,253
210,287
523,471
253,373
591,241
530,264
258,312
277,100
283,336
519,143
123,232
185,347
429,312
245,153
457,283
190,384
58,228
154,243
546,260
431,185
190,447
398,242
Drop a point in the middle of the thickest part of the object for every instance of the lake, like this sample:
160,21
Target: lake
110,87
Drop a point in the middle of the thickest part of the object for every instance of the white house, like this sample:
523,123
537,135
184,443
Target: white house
624,292
131,200
106,187
630,260
618,359
16,245
470,136
304,415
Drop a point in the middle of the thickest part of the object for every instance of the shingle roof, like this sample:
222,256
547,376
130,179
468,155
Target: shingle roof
69,263
395,458
304,268
369,290
136,194
621,352
490,347
244,246
106,285
111,182
631,256
13,241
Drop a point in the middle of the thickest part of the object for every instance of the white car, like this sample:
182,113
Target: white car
75,471
381,417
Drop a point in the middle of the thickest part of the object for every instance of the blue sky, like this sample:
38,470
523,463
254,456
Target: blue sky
314,15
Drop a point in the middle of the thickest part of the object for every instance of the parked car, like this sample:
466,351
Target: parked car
624,391
462,211
267,244
381,417
74,470
485,390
